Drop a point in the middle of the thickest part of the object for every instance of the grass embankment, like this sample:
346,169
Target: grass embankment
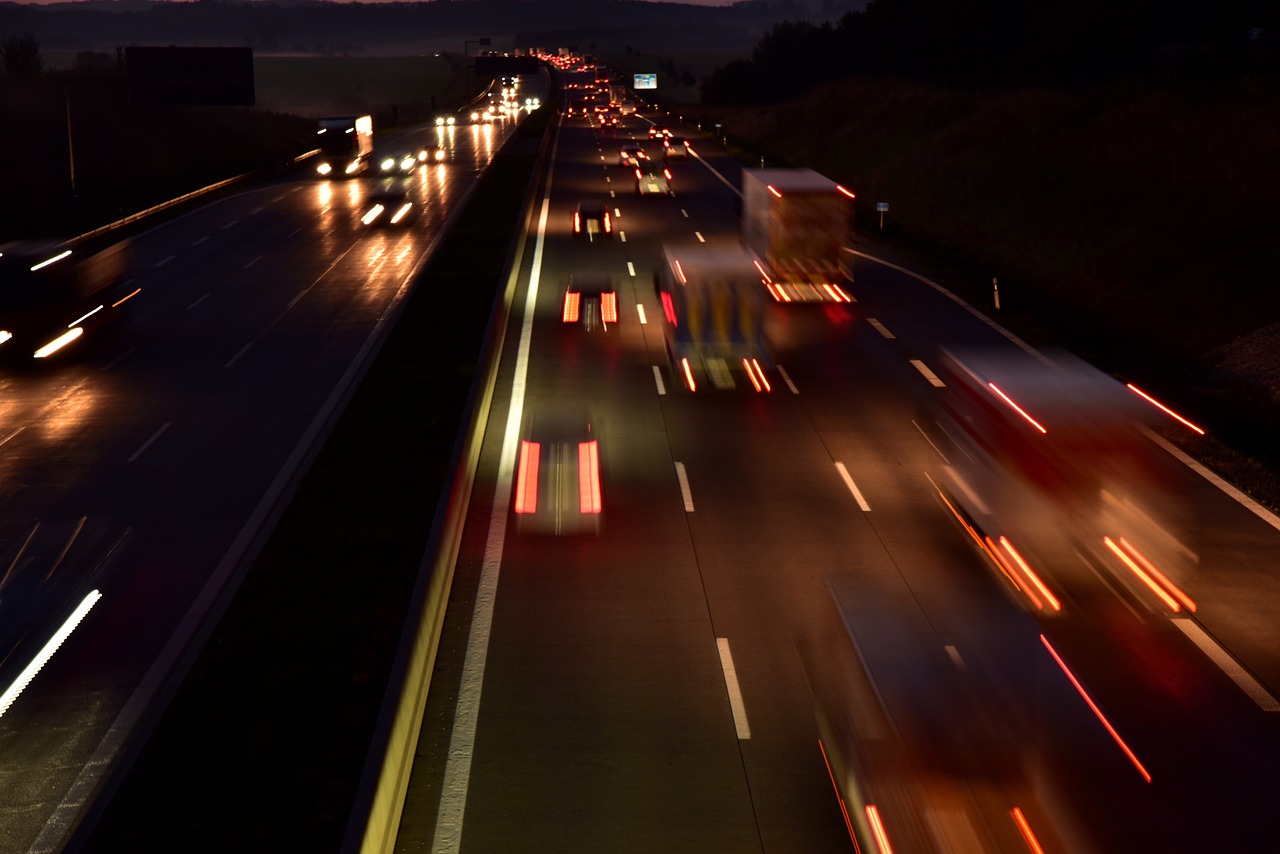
263,745
1131,224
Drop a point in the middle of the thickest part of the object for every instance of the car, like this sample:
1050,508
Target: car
388,207
675,146
592,221
631,155
652,178
590,299
657,131
399,162
557,478
432,154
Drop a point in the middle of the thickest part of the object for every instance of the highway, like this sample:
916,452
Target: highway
141,470
645,687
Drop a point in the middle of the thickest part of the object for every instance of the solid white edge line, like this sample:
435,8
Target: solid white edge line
853,487
147,444
736,704
1228,665
930,441
457,774
46,652
786,378
685,492
1248,503
657,378
928,374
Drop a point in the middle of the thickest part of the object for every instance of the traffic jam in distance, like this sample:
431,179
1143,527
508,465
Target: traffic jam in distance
1046,466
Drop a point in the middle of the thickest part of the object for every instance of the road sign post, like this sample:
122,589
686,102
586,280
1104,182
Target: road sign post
882,208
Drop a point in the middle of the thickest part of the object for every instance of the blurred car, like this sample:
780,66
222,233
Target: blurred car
432,154
652,178
590,299
631,155
657,131
592,221
557,488
675,146
388,207
398,163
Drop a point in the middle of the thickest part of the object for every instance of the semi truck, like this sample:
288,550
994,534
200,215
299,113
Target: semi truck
799,223
53,291
346,145
713,311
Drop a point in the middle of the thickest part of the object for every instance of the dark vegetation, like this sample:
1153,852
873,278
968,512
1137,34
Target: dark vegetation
1115,172
1006,44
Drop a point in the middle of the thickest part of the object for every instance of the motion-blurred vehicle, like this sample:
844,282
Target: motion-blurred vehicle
346,145
401,162
924,757
53,291
631,155
388,207
799,223
675,147
1052,464
658,131
590,299
713,308
653,179
557,486
592,221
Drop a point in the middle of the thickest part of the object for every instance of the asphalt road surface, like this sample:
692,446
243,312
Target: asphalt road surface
139,469
643,687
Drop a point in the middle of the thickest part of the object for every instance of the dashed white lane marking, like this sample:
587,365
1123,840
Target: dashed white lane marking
928,374
701,239
657,379
197,302
736,705
147,444
879,327
683,477
254,261
199,240
955,656
644,320
853,487
631,269
165,261
786,378
243,350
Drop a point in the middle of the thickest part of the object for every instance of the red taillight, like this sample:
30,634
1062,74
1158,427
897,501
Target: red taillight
667,172
638,175
588,477
571,301
577,223
608,223
669,309
609,307
527,478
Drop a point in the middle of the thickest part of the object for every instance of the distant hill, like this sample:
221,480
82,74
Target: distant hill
399,28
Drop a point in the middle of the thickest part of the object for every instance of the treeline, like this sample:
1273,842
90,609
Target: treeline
1000,43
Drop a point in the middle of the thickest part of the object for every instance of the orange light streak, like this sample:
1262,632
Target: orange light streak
680,273
1169,601
527,478
609,307
1166,410
588,477
774,190
846,192
1159,576
1035,579
844,810
763,274
1094,707
688,375
877,828
751,375
990,546
764,381
126,298
1017,408
1025,828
